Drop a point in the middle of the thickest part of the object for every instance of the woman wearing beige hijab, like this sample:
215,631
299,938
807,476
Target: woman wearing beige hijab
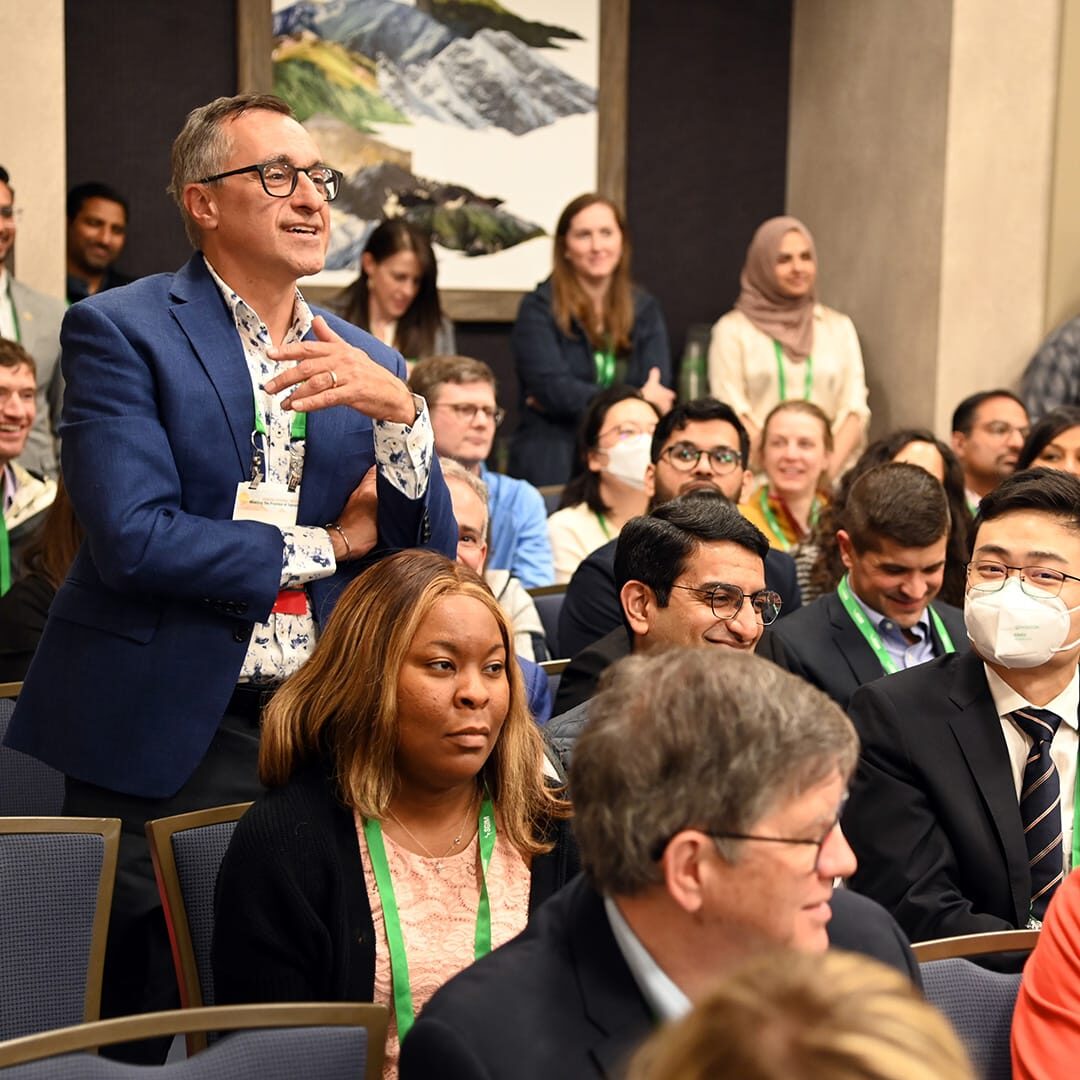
779,343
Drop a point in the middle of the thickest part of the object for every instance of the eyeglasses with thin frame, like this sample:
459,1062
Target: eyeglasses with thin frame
989,576
684,457
726,601
624,431
10,213
1002,429
279,178
467,413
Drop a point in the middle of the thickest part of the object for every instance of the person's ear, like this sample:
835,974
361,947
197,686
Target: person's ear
684,866
638,604
368,263
959,441
650,481
746,487
847,548
201,206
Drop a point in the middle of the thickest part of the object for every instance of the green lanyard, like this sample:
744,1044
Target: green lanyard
774,523
603,525
297,434
399,961
605,366
1076,823
5,556
873,638
808,384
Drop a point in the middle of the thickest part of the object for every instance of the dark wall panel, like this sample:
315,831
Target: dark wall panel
134,71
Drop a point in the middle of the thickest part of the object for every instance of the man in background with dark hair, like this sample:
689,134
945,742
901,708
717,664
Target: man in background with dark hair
961,812
881,617
33,320
988,430
700,445
97,220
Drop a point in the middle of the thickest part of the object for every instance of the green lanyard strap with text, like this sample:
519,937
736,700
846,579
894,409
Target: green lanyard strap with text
5,556
808,384
873,638
774,522
399,961
605,366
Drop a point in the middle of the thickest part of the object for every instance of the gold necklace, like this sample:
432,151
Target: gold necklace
436,859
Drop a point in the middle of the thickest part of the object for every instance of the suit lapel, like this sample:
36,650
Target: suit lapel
200,310
977,729
850,643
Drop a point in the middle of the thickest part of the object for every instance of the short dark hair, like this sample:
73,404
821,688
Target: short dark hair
689,412
92,189
1046,431
899,502
5,179
963,419
654,549
13,355
1050,491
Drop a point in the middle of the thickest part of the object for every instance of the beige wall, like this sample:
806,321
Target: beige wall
922,139
32,135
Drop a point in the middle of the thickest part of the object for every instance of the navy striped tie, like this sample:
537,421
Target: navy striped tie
1040,807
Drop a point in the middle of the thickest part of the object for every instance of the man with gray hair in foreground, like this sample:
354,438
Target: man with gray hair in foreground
707,789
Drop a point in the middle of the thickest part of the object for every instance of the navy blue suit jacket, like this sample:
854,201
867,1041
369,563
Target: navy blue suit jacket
147,636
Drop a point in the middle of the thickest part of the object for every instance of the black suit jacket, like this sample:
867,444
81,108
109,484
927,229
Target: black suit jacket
933,814
821,644
559,1000
591,606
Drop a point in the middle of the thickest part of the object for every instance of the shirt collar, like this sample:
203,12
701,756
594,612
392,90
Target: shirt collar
1007,700
663,997
248,319
923,625
9,484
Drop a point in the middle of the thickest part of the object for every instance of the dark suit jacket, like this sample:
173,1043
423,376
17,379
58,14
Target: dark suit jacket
560,1001
933,814
821,644
591,606
147,636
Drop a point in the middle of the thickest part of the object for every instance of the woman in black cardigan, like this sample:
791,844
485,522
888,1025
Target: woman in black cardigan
406,788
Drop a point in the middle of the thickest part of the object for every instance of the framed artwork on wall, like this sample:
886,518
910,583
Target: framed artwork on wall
476,120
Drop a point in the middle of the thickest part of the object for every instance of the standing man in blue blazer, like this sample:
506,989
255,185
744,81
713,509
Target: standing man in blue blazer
232,455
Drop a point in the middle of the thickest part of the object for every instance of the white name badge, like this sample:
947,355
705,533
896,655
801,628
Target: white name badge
272,504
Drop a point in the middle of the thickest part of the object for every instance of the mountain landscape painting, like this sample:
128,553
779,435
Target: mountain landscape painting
472,118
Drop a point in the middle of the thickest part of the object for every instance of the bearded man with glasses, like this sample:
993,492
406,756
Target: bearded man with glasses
231,454
963,808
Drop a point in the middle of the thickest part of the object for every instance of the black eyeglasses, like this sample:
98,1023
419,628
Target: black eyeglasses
988,575
726,601
685,456
279,178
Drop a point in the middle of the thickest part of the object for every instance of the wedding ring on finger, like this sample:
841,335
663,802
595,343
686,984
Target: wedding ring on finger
333,378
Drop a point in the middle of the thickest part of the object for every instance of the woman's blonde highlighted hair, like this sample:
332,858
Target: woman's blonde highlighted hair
343,702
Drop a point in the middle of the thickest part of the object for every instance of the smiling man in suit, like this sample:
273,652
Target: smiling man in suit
882,617
222,517
961,812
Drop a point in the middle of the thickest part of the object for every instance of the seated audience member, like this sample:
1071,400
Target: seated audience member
24,496
788,1014
690,573
469,498
97,218
1052,377
961,811
609,487
988,432
1054,442
1046,1023
818,561
699,446
23,608
882,617
796,442
460,393
396,296
706,797
33,320
586,329
778,343
408,828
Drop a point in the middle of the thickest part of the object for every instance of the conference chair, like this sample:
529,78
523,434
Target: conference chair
56,886
554,669
552,496
187,850
978,1002
28,788
549,601
270,1042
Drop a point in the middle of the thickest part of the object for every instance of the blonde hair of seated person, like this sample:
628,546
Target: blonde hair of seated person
799,1016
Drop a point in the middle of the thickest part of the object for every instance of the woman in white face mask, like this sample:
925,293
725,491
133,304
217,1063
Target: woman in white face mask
608,487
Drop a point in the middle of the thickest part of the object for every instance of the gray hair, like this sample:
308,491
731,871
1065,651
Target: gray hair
202,148
454,470
694,738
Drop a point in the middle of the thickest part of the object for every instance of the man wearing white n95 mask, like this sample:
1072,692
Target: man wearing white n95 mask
962,810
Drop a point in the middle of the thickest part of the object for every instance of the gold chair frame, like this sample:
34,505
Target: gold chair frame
966,945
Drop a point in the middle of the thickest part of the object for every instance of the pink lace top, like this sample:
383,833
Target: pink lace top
437,910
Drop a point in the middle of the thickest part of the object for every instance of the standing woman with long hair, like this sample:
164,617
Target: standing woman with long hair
396,296
584,329
778,343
